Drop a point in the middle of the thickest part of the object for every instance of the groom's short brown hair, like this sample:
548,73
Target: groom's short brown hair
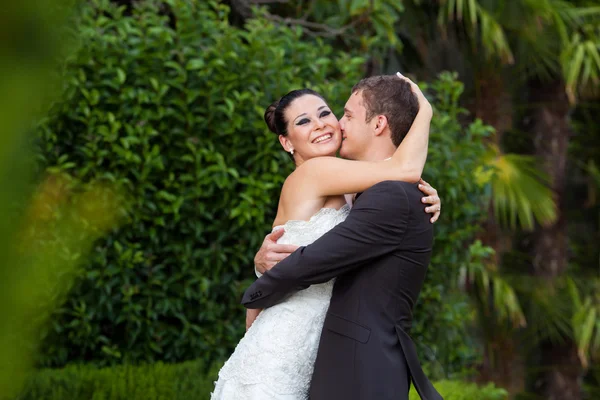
390,96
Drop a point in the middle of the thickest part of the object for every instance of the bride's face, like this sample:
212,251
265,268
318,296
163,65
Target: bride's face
313,130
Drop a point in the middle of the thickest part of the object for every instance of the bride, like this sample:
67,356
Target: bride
275,359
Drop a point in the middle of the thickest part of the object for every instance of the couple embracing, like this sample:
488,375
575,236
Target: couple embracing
331,320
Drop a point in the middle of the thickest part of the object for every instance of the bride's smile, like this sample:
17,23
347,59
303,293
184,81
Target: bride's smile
323,138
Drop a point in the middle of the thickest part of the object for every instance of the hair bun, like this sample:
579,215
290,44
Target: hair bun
270,117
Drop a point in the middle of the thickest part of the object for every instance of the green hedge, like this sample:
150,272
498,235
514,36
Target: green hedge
175,382
166,101
169,107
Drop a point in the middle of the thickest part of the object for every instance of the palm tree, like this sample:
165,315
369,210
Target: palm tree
547,52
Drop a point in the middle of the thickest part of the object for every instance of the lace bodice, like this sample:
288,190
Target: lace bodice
275,359
303,233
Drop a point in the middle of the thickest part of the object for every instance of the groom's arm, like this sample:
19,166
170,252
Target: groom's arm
375,227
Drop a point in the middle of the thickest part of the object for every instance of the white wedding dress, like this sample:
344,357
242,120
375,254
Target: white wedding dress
275,358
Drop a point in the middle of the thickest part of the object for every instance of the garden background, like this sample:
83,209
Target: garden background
139,180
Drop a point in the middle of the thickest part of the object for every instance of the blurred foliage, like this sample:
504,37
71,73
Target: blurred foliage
521,193
583,196
494,294
368,26
455,154
583,205
48,222
54,236
540,38
175,382
527,64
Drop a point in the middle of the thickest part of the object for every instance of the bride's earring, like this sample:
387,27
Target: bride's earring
292,151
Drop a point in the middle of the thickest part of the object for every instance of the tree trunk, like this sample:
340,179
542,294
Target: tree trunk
502,363
548,122
559,376
493,102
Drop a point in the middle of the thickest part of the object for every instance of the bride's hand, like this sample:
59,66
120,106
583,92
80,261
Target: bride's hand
424,105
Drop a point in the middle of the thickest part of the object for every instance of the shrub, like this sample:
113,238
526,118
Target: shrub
457,390
174,382
153,382
166,101
169,107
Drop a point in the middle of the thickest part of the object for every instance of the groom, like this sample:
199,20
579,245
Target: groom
379,256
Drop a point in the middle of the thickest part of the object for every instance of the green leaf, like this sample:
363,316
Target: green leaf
195,64
121,76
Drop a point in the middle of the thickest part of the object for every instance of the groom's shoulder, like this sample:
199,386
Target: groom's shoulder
395,187
392,193
390,199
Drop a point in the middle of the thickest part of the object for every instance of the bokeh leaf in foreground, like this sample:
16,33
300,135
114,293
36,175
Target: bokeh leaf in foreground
45,229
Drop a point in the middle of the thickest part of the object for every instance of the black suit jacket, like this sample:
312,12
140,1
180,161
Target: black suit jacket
379,255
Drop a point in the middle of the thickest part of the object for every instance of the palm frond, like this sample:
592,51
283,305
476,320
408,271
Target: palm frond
586,323
520,190
593,170
494,294
564,17
480,25
572,14
548,309
580,62
560,310
493,37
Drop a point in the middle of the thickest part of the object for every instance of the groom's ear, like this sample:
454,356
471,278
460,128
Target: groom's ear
381,123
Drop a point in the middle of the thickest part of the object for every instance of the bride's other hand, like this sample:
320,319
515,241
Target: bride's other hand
271,253
424,105
251,315
432,200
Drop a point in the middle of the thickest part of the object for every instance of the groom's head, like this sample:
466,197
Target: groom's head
377,116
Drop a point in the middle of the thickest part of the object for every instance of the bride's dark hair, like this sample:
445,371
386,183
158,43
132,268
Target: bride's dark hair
275,113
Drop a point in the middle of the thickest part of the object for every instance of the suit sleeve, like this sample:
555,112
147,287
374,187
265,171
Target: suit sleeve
375,227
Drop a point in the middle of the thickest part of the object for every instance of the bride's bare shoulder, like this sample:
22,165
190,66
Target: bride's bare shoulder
306,176
292,190
287,201
297,200
313,165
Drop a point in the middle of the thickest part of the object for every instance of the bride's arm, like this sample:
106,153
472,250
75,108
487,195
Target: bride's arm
326,176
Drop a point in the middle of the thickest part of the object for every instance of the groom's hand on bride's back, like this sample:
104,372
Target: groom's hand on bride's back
271,253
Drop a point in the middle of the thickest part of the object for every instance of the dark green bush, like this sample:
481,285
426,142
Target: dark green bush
153,382
175,382
169,107
167,103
